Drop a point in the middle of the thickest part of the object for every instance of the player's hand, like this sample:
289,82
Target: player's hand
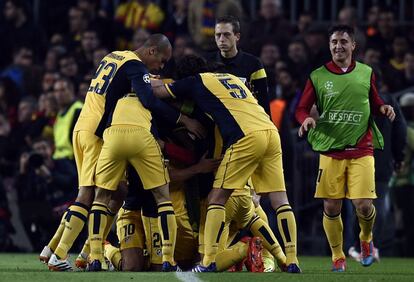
205,165
388,111
156,82
194,126
307,124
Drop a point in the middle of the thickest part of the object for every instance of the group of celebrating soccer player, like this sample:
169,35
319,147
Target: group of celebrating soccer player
140,140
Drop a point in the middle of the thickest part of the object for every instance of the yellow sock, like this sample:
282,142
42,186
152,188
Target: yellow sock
333,229
259,228
229,257
203,214
168,226
109,221
268,258
75,221
86,249
366,223
58,234
212,232
260,212
113,255
286,224
97,224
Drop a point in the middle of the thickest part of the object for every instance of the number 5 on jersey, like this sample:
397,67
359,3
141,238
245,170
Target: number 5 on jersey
232,86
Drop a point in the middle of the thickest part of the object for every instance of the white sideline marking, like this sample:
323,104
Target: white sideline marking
187,277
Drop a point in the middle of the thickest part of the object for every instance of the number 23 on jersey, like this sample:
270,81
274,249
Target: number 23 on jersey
102,78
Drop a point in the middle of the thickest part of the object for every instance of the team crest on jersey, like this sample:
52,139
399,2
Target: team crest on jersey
146,78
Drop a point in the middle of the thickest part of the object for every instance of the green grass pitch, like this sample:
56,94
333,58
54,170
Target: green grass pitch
26,267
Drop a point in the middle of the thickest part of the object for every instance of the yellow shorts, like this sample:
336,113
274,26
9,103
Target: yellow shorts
86,148
130,229
239,210
349,178
258,155
185,246
133,144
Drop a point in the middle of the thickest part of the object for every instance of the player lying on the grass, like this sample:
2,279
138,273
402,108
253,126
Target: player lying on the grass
252,148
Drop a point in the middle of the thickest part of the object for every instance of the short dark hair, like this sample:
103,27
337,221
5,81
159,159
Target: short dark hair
231,20
192,64
342,29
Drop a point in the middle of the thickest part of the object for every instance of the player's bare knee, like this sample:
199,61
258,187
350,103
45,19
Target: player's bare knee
121,192
278,199
103,195
219,196
114,205
117,199
363,206
332,207
86,195
161,194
